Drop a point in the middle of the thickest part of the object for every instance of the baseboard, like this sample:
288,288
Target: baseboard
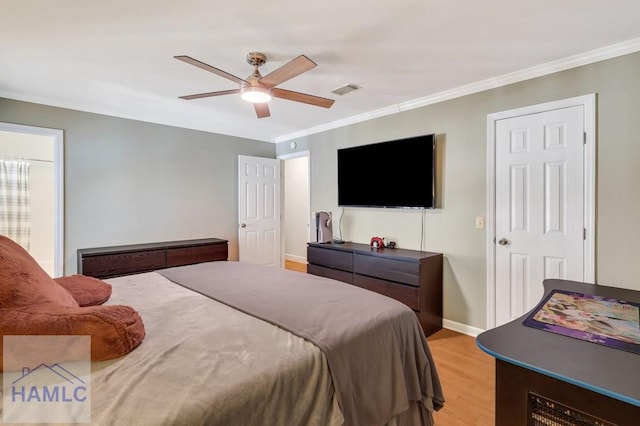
294,258
461,328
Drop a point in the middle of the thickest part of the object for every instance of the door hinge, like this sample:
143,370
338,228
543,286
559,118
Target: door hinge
584,138
584,234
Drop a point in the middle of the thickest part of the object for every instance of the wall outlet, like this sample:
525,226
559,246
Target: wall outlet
479,222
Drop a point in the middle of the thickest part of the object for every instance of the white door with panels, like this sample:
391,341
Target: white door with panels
259,210
540,200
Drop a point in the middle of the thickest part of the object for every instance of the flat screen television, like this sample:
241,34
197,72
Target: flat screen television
394,174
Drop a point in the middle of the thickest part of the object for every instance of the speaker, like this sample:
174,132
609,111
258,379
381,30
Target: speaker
324,230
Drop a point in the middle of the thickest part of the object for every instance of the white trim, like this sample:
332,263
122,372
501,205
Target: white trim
613,51
311,222
58,176
294,258
291,155
589,104
490,223
461,328
394,109
590,161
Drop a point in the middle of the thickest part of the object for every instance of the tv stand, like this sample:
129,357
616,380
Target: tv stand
409,276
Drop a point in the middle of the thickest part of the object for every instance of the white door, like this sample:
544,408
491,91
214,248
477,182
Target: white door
540,227
259,210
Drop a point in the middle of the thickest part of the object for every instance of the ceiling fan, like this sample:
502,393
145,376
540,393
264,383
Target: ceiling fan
258,89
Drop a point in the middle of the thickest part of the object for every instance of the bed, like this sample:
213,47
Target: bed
232,343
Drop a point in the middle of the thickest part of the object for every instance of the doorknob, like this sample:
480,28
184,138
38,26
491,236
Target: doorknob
503,241
243,225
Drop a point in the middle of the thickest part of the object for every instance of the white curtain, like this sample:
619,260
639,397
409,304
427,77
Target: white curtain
15,211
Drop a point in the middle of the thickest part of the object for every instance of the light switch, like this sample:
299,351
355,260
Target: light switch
479,222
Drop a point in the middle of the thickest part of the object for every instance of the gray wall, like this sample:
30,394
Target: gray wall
131,182
462,145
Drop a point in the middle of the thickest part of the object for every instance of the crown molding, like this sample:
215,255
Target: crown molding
592,56
393,109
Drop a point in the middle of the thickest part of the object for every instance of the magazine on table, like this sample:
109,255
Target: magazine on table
601,320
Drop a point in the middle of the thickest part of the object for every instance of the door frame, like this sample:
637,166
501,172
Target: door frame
58,184
285,157
589,180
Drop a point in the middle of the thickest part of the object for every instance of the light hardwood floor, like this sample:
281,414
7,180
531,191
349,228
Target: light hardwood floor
295,266
467,375
468,380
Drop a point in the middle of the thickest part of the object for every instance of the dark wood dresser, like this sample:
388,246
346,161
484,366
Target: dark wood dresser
109,262
409,276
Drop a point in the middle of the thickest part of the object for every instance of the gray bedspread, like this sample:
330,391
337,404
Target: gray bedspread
204,363
376,351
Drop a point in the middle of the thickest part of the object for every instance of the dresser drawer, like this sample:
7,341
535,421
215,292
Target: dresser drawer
335,259
408,295
388,269
335,274
113,265
197,254
411,277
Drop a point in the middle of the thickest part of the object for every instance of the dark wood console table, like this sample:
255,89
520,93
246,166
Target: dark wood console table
109,262
409,276
540,374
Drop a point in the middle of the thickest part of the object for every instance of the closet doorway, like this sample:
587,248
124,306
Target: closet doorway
296,206
31,192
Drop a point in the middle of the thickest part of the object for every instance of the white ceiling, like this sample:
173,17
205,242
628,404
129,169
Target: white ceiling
116,57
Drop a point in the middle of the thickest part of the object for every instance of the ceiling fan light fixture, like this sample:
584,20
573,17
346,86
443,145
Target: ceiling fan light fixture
259,90
255,94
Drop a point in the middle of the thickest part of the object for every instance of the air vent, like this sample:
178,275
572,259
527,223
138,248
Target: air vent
346,89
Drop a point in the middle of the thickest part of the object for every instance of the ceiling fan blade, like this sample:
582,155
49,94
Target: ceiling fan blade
289,70
210,94
262,110
207,67
302,97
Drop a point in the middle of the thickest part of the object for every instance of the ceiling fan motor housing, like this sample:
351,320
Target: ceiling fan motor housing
255,92
256,59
